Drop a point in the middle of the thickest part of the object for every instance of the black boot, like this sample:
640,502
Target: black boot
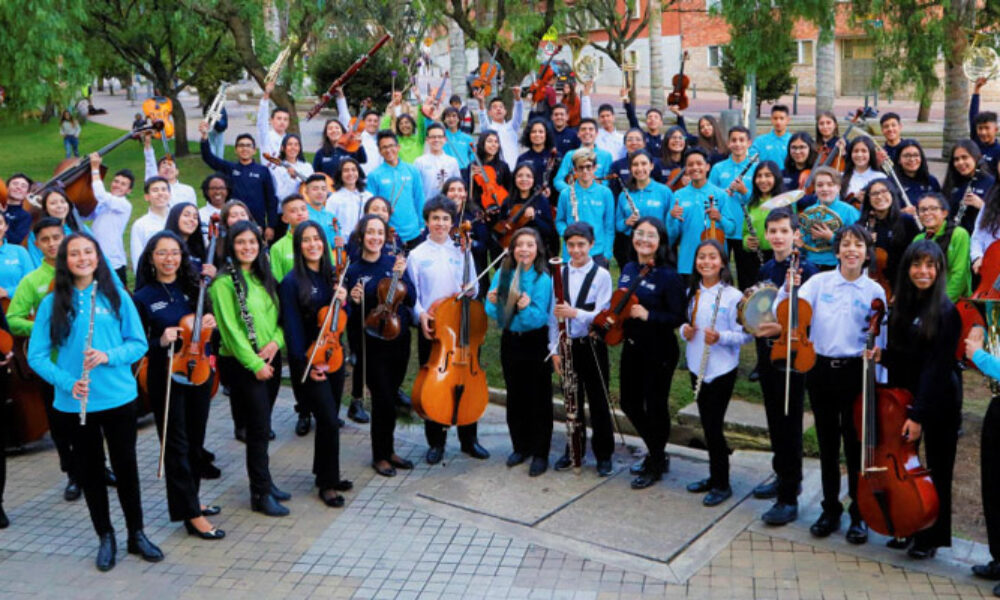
357,413
266,504
4,521
139,544
106,552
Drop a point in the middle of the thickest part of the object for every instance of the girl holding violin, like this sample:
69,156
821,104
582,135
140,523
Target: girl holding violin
891,229
330,155
520,300
171,292
245,298
640,197
347,202
379,206
650,351
288,179
911,169
862,169
87,315
712,331
674,147
56,205
305,291
537,215
766,185
966,184
924,329
801,158
488,151
387,367
840,301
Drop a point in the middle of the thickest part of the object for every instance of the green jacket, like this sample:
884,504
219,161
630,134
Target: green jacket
30,291
264,311
959,282
282,256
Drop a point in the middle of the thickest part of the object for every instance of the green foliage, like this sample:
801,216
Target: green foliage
772,83
373,80
621,31
38,68
226,66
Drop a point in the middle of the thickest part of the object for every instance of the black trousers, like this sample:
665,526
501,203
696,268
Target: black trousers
645,391
621,248
989,465
590,361
256,399
436,433
747,263
122,273
228,371
833,386
386,371
528,377
116,427
785,431
322,400
940,438
713,400
357,370
62,436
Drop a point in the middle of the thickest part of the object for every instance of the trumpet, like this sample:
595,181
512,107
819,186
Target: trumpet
215,110
279,63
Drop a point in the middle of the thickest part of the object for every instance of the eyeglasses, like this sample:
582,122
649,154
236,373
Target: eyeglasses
244,145
928,209
586,167
167,253
646,235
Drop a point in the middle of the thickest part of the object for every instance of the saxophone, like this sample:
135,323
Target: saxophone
704,353
241,298
85,375
279,63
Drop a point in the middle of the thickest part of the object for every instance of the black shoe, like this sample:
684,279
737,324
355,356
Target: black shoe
207,456
265,503
996,591
781,514
539,465
139,544
240,433
4,521
207,470
109,478
225,390
766,491
303,426
825,525
384,471
899,543
699,487
857,533
990,570
476,451
919,552
638,468
106,552
334,501
211,511
646,479
716,496
357,413
400,463
403,400
434,455
271,436
754,375
343,485
605,468
72,492
279,494
515,458
564,463
213,534
340,423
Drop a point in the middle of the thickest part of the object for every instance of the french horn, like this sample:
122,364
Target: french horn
980,61
587,68
813,215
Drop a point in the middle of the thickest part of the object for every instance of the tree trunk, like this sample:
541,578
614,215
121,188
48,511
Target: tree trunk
456,56
180,125
825,72
958,20
924,111
656,86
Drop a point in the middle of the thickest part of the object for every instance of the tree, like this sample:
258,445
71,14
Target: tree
38,69
161,40
588,15
771,84
656,82
456,55
226,66
373,81
958,19
826,68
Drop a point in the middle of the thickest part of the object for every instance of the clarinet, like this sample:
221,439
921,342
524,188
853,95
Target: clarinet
575,205
961,201
85,375
704,352
241,297
569,377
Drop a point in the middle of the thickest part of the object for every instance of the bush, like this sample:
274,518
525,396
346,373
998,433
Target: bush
373,80
771,85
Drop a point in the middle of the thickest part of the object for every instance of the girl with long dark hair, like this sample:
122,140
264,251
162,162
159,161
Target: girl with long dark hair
539,140
84,287
650,199
526,188
892,229
330,156
56,205
712,139
801,156
185,221
965,183
862,169
913,174
288,179
766,185
488,151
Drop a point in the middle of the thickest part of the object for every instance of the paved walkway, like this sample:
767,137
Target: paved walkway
434,533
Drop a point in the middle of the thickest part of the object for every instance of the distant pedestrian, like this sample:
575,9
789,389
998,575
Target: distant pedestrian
69,128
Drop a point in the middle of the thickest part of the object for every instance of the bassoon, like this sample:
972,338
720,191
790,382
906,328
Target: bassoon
574,431
340,81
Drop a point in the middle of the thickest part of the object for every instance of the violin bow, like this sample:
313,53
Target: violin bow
467,287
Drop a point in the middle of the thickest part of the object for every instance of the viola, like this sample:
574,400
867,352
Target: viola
350,141
681,82
193,364
895,493
430,109
536,91
504,229
486,75
793,350
674,178
609,324
493,194
383,322
326,353
450,388
989,275
877,265
713,231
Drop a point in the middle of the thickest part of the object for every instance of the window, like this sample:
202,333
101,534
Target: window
713,4
804,52
714,56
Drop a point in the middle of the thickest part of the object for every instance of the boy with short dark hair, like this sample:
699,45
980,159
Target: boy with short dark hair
892,131
983,130
111,215
773,145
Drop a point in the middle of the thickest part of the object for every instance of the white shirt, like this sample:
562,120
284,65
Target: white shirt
179,192
436,272
860,180
599,295
284,184
840,311
347,205
724,355
144,228
206,212
435,169
981,239
268,140
611,141
370,145
110,218
508,132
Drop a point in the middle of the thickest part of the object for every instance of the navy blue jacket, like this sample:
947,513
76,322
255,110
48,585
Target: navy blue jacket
372,273
299,322
991,153
566,140
251,183
329,162
18,223
662,293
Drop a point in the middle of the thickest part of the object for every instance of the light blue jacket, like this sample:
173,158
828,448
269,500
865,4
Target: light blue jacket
15,263
688,229
538,287
772,147
655,200
402,186
597,207
604,160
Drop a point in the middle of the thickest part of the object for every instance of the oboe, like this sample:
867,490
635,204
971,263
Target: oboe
85,375
705,351
241,298
569,378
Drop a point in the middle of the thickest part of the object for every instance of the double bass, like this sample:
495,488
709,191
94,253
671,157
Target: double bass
450,388
896,496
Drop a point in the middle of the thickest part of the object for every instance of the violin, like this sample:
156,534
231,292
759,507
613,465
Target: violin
504,229
486,75
878,264
430,109
827,156
681,82
609,324
536,91
895,493
493,194
193,364
326,353
793,350
159,108
675,178
383,322
713,231
450,388
989,275
350,141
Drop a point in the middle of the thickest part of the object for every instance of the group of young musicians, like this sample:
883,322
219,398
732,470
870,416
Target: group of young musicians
292,258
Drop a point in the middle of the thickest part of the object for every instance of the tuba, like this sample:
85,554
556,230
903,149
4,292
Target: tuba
980,61
817,213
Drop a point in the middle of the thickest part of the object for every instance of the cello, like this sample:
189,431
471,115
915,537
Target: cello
896,496
609,324
450,388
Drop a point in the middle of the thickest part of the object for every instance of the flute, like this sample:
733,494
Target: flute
85,375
